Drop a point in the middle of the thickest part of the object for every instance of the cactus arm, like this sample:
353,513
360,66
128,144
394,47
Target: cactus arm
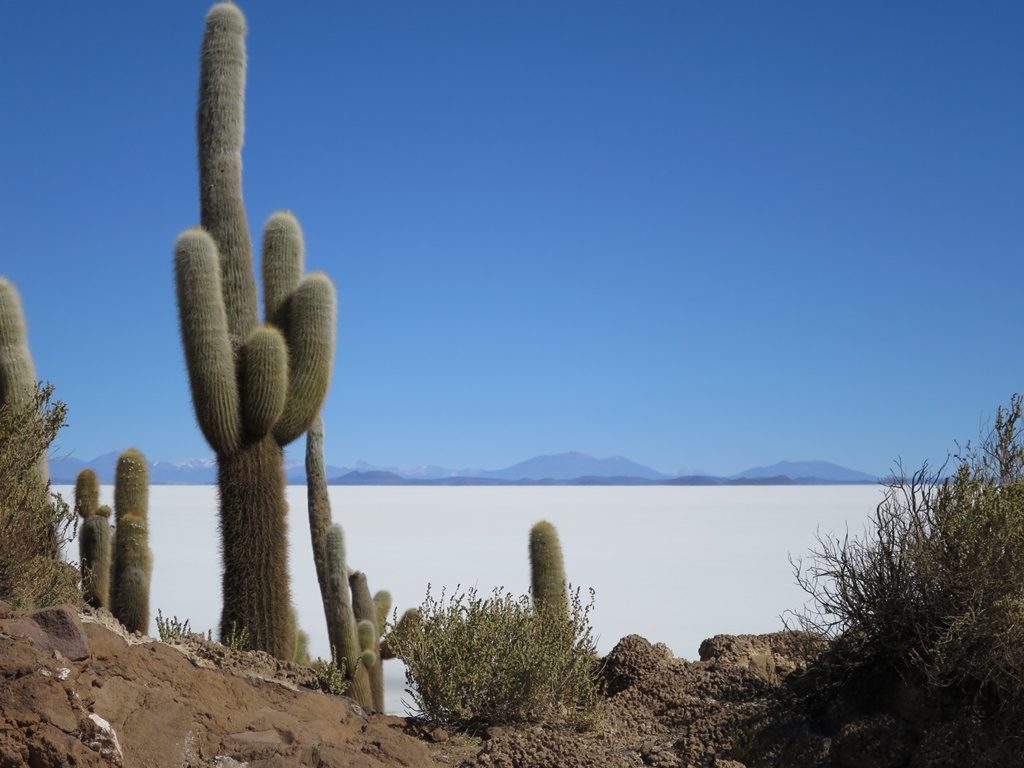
382,606
204,334
318,504
131,486
310,332
263,380
283,263
221,132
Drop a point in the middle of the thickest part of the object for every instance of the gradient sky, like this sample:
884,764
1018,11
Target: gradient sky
696,234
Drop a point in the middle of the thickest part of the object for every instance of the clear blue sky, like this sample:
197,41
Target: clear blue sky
703,234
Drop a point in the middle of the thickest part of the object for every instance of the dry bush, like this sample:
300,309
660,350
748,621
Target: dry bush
934,590
34,524
473,661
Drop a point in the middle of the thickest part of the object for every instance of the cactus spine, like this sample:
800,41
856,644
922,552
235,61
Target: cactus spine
254,388
17,370
94,540
547,570
133,562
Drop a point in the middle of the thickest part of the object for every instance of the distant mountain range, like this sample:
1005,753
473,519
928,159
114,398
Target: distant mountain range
558,469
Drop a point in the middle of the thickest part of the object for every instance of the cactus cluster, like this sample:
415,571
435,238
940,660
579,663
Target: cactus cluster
355,623
117,565
255,388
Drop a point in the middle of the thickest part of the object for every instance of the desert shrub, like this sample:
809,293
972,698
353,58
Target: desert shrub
34,524
330,676
174,629
934,589
474,661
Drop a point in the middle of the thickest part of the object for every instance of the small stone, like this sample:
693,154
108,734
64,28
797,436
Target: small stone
439,735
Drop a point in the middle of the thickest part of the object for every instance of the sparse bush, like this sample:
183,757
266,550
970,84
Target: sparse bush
330,675
934,590
34,524
473,662
237,639
172,628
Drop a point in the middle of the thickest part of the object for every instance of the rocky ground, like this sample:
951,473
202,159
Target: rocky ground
77,690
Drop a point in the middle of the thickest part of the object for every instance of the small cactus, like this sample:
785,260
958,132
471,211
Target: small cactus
94,540
341,623
547,570
369,635
133,561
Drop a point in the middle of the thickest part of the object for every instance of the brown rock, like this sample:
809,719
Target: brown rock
53,629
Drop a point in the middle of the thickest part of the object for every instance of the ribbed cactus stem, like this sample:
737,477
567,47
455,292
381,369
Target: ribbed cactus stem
254,388
95,553
547,569
87,493
382,606
221,133
359,686
372,661
133,561
17,370
318,505
341,623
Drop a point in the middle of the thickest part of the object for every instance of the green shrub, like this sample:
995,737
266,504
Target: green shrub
473,662
934,590
330,676
34,524
172,628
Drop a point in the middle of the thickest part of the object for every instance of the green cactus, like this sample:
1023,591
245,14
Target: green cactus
408,623
368,641
133,561
17,371
87,493
547,570
369,635
94,540
325,557
382,606
254,388
341,623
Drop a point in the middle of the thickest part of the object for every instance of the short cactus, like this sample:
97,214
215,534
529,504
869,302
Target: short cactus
133,561
369,635
547,570
94,540
17,370
254,388
341,623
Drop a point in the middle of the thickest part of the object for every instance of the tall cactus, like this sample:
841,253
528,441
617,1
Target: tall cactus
133,562
254,388
325,555
94,540
547,570
17,371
